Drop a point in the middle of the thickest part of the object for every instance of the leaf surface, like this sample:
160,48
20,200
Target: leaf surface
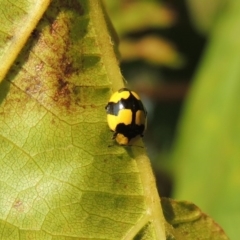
207,150
188,222
58,177
18,19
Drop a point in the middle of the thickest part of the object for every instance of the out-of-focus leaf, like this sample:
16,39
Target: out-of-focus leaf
138,15
151,49
18,19
205,13
207,151
189,222
58,177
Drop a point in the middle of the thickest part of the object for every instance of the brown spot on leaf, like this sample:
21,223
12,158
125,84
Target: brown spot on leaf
105,160
53,121
9,37
54,28
93,106
18,205
33,85
67,67
62,84
63,93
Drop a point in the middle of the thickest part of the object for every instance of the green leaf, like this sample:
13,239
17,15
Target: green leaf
207,150
58,177
189,222
204,14
132,16
18,19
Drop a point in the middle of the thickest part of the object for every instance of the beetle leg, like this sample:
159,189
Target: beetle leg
114,135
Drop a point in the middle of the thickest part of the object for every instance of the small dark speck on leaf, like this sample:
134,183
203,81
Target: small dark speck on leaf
35,33
93,106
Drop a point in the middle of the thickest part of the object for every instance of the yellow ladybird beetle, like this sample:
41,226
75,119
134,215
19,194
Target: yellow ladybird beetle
126,116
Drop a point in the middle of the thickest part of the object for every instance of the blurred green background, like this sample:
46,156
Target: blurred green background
183,58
